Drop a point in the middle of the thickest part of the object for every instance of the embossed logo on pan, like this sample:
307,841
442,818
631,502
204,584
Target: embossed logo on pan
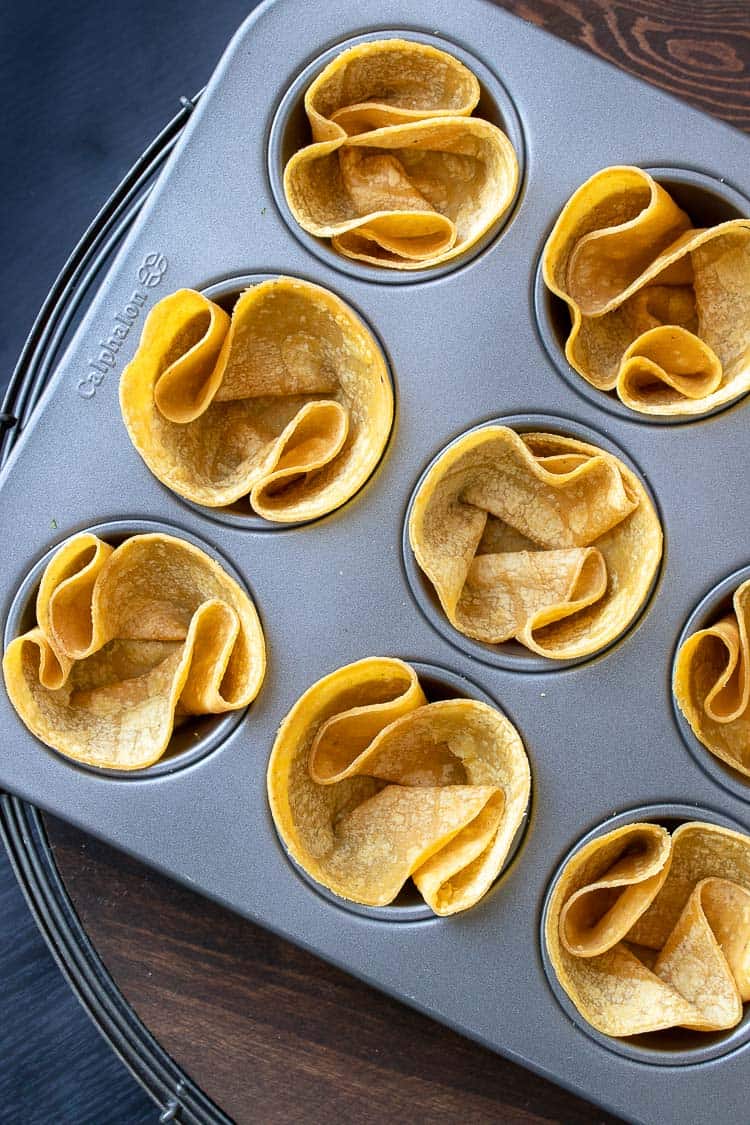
150,274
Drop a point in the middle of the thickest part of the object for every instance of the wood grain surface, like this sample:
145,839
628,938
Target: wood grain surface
698,50
274,1035
271,1033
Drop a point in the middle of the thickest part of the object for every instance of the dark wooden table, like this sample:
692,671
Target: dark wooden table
273,1034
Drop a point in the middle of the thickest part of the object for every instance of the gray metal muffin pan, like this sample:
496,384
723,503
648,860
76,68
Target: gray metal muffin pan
465,346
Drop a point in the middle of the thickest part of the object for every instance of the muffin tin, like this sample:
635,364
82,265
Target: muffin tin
468,343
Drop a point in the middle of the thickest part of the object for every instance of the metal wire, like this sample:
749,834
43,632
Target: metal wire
76,277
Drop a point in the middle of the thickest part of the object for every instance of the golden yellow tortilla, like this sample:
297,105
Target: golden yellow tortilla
288,402
399,174
129,641
370,785
647,931
660,311
712,684
536,537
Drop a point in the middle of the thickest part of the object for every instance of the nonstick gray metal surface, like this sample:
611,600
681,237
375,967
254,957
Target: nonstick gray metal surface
466,345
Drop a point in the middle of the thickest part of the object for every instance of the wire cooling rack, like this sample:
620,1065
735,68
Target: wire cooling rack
21,826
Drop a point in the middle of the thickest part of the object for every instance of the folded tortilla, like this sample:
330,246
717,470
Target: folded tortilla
399,174
660,310
129,641
288,402
647,931
369,785
712,684
536,537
